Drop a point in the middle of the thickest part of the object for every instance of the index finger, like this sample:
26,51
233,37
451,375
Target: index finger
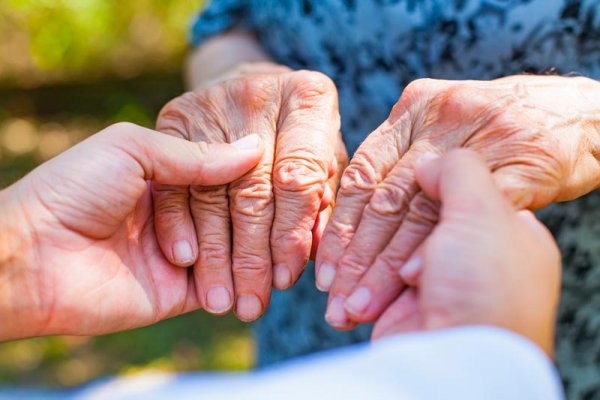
304,161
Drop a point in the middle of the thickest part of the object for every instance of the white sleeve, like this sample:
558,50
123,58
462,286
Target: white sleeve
462,363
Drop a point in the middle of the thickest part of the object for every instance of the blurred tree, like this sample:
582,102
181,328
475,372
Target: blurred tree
49,41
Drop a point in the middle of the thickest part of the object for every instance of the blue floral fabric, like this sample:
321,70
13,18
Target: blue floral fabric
372,49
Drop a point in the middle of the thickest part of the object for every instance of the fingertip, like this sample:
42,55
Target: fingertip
411,270
325,276
221,163
427,158
463,179
539,229
376,333
248,308
173,225
251,142
282,277
250,150
512,187
358,303
401,316
336,314
183,253
381,329
218,300
427,172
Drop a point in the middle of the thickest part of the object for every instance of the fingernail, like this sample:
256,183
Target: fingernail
358,301
282,277
248,308
183,253
427,157
325,277
218,300
411,269
336,313
249,142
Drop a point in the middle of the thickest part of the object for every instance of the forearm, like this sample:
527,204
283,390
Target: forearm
219,55
19,296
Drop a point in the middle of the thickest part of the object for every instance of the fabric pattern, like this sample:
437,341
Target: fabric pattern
372,49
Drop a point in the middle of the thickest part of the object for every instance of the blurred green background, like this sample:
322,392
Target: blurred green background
67,69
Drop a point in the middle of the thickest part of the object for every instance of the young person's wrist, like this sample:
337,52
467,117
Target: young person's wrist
19,293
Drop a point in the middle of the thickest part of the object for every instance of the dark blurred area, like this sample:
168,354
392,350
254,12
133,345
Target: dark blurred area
68,69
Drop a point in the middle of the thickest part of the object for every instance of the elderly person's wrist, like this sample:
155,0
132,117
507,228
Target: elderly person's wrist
219,55
590,90
581,110
245,69
20,300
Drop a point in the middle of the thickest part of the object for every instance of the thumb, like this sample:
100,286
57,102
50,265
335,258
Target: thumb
174,161
461,181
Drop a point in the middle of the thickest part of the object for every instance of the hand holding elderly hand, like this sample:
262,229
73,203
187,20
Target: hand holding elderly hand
269,219
485,263
539,135
78,250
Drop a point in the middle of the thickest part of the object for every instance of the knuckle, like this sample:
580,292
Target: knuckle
250,266
459,105
209,196
390,199
169,203
340,232
194,115
256,92
176,117
119,133
308,89
161,191
300,174
123,127
456,98
389,263
252,197
414,93
418,87
213,254
294,240
312,83
423,211
352,266
360,176
170,216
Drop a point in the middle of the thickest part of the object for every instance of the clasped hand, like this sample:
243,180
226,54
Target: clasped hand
106,248
78,249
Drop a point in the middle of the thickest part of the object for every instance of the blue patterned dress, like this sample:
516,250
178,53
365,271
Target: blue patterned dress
372,49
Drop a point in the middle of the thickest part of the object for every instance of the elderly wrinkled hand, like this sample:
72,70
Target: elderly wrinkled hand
539,135
485,263
257,232
78,251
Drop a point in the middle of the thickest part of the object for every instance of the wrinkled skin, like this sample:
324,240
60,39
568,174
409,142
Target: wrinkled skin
539,135
485,263
78,251
258,231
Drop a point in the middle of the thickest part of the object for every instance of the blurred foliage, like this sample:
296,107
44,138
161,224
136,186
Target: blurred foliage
45,41
68,68
188,343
